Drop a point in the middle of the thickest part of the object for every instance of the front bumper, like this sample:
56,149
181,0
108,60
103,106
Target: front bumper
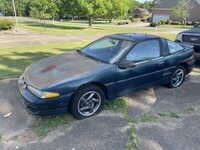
38,106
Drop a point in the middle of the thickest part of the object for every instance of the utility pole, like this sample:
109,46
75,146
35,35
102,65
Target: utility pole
16,21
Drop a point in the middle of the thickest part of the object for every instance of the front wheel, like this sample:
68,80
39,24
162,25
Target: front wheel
177,77
88,101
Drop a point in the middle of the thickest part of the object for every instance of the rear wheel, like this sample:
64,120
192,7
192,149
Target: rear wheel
177,77
88,101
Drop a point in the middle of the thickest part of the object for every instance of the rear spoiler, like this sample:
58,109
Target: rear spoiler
186,46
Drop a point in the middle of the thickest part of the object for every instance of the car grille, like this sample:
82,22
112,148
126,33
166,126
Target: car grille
193,39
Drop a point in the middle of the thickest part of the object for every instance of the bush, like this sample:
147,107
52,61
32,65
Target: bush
169,22
135,20
189,23
175,23
153,24
163,22
195,22
5,24
122,23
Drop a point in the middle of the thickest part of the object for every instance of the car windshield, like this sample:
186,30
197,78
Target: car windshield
107,49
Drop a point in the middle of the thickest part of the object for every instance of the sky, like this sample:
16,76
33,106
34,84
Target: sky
142,1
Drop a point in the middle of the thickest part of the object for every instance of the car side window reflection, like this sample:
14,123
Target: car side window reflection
144,50
174,47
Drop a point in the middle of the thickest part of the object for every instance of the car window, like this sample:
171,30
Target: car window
174,47
105,43
144,50
108,49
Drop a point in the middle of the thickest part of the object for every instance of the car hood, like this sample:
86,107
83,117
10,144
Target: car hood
55,69
194,31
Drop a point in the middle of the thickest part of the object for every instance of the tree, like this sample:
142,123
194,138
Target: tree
44,9
92,9
7,8
181,10
133,6
70,8
117,8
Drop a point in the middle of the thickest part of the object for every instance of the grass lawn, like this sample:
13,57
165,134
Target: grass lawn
176,26
13,61
63,28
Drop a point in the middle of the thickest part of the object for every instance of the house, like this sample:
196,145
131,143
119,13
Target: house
162,11
141,13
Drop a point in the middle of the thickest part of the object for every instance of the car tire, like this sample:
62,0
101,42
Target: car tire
87,101
177,78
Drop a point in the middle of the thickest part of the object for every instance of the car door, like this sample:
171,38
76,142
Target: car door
147,70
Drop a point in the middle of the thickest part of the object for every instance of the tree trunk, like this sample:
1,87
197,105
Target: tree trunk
185,21
72,18
110,20
53,20
90,20
45,25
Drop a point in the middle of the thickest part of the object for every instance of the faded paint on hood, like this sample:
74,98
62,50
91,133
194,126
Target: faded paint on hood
58,68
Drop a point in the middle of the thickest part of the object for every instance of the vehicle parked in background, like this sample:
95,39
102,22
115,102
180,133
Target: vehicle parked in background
190,37
110,67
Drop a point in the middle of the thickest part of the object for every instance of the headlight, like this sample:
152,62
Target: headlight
42,94
179,37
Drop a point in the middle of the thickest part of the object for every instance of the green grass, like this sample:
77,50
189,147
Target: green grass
170,114
118,105
66,28
13,61
146,118
190,109
175,26
45,125
133,139
149,118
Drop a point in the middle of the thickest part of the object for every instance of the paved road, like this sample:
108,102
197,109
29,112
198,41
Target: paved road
108,129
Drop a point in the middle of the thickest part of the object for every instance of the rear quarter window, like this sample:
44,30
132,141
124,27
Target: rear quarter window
174,47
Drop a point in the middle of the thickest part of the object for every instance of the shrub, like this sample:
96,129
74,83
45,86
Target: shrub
153,24
5,24
163,22
169,22
135,20
189,23
195,22
175,23
120,23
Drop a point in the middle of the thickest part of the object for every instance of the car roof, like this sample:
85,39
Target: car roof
133,36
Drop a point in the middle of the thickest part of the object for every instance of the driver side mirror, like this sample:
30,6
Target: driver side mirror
126,64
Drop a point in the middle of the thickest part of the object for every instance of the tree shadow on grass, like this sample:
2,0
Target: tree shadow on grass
62,26
54,26
13,67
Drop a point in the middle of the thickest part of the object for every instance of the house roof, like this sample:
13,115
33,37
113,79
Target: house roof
142,9
165,4
168,4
